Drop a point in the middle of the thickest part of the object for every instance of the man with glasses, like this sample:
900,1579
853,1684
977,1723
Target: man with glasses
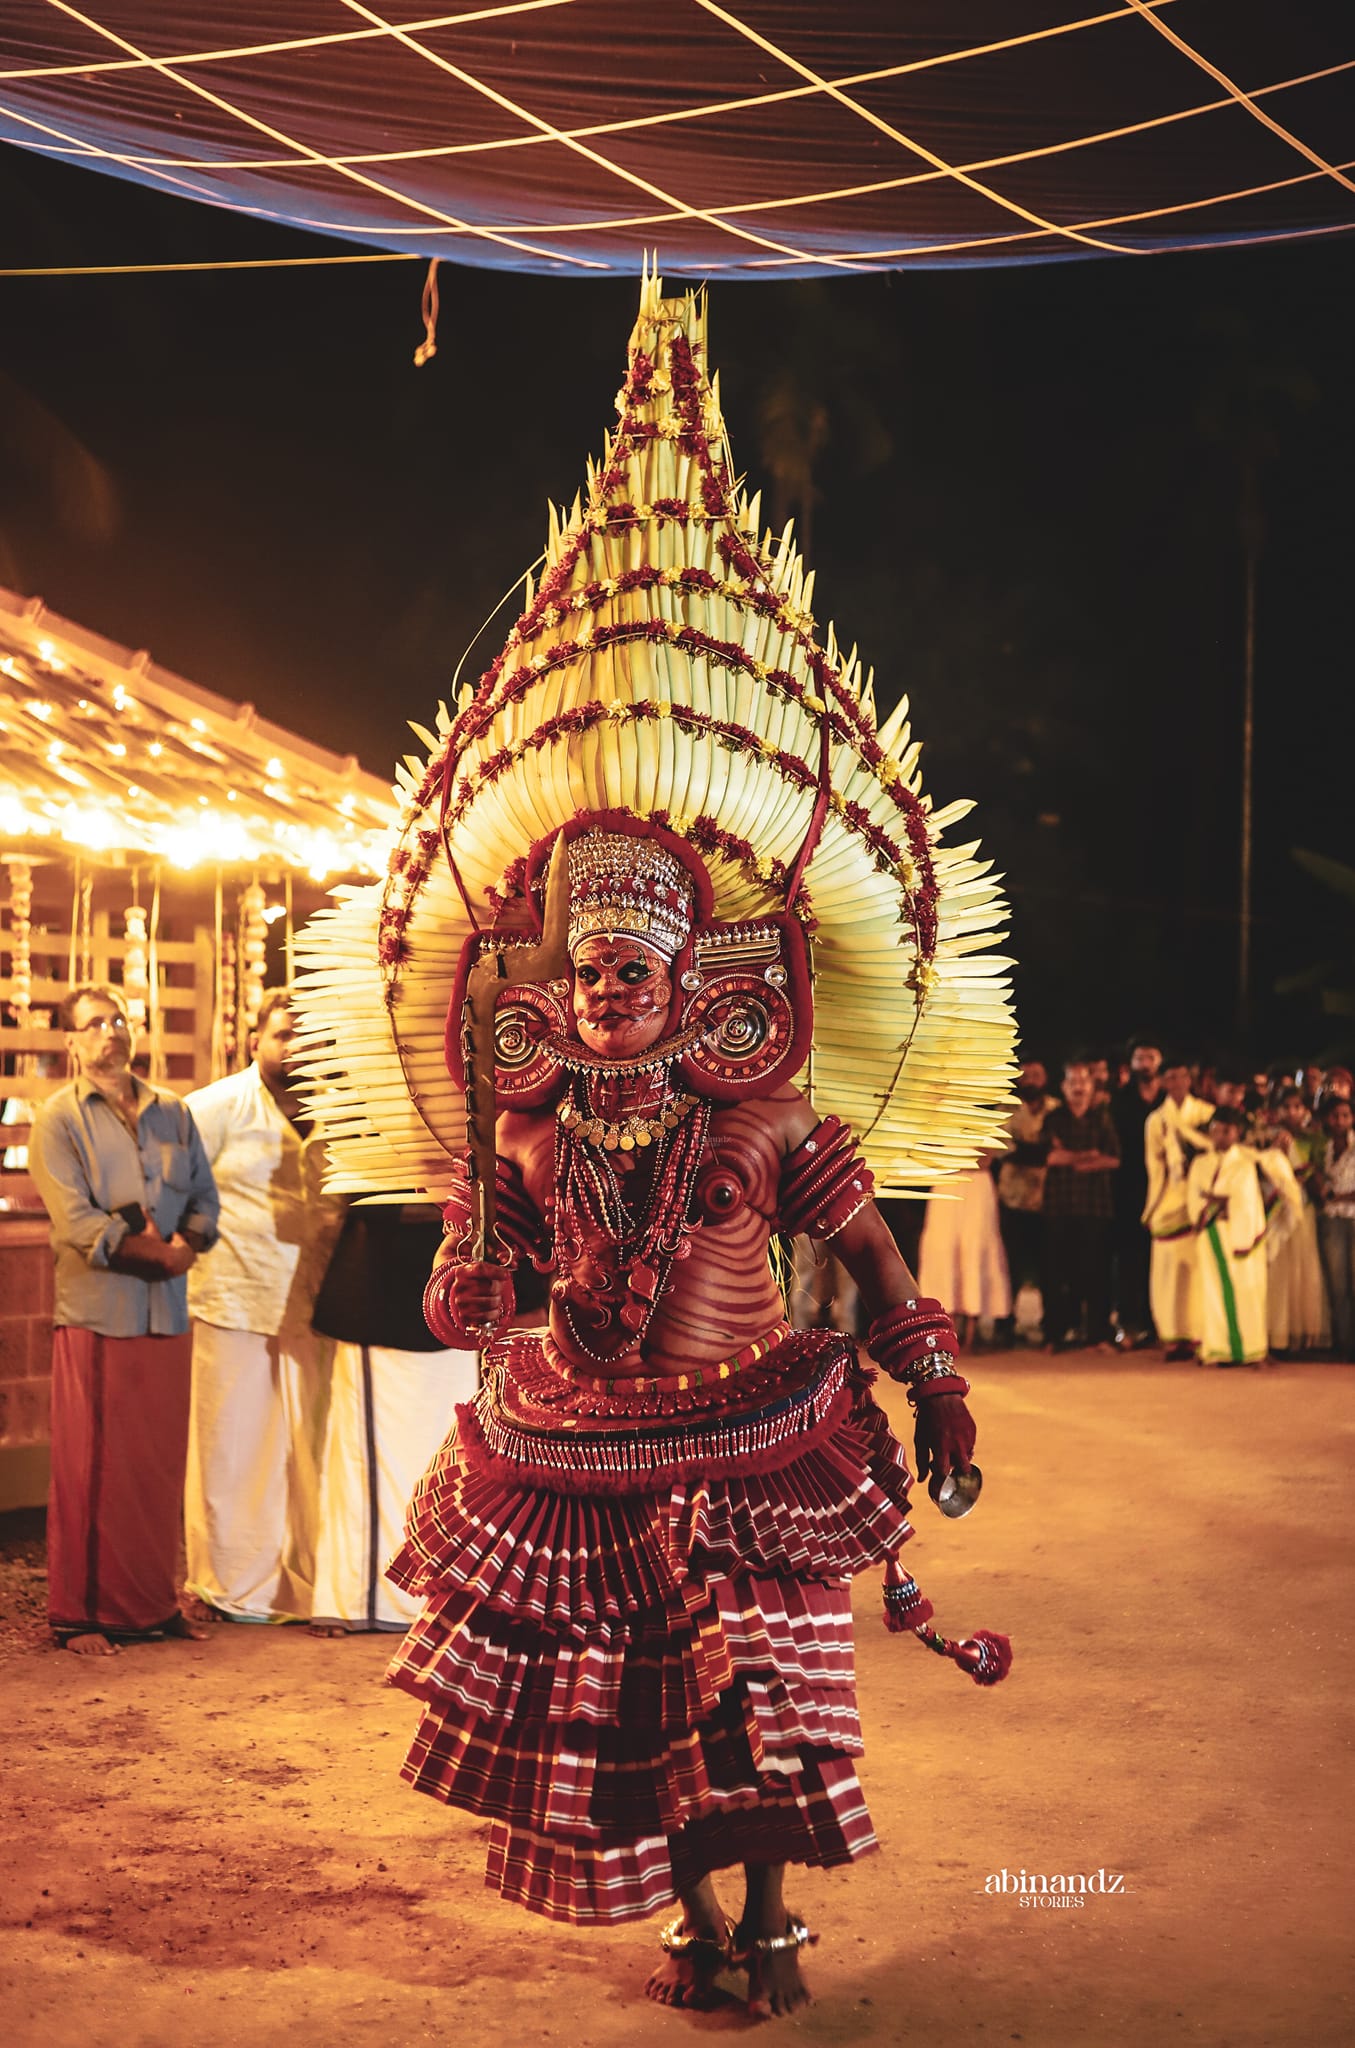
126,1183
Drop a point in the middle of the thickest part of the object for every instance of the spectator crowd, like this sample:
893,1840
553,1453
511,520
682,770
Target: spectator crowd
1151,1201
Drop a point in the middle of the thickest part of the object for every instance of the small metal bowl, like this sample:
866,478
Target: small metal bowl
957,1493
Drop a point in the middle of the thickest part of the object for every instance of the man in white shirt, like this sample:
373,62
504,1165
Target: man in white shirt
1172,1135
260,1375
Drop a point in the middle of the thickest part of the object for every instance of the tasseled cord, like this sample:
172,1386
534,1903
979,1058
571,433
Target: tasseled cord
428,347
987,1657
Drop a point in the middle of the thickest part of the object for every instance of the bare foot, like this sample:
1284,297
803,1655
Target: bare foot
92,1645
775,1986
696,1952
198,1609
185,1631
326,1629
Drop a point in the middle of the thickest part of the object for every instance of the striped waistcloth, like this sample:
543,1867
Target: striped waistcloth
639,1682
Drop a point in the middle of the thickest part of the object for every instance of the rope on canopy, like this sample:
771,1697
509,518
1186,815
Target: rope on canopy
755,147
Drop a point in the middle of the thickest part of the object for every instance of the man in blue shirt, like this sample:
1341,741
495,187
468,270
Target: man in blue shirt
126,1183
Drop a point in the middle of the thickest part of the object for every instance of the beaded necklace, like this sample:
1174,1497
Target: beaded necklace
647,1229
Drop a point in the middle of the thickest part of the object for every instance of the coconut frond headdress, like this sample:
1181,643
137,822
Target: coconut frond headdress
666,668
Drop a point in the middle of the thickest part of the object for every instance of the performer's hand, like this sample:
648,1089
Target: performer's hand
944,1438
480,1296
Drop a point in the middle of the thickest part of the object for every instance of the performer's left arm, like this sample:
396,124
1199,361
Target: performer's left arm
901,1322
827,1192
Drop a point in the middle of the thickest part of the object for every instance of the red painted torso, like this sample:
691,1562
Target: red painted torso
721,1295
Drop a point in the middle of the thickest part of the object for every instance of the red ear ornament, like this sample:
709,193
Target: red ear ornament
747,988
526,1015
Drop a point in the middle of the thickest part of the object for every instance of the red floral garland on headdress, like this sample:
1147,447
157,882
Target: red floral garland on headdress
553,601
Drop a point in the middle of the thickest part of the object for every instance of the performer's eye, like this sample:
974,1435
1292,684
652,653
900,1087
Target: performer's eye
635,970
589,976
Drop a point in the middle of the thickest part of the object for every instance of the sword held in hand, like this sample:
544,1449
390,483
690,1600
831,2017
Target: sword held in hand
545,960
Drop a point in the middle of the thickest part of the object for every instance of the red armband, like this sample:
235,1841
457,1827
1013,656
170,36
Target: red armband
437,1310
824,1182
916,1343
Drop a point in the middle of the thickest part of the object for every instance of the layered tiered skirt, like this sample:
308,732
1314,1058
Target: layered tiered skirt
635,1652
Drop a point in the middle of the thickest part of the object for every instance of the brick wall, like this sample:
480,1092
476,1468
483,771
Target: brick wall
25,1330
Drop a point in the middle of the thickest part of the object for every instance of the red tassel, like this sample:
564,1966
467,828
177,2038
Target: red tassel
986,1656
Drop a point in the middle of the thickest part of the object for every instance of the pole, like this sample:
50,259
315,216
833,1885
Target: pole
1248,752
1251,527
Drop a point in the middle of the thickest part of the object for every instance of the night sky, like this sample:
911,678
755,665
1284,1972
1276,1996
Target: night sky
1027,515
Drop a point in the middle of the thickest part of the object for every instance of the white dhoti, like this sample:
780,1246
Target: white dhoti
1232,1301
1296,1293
390,1413
1174,1288
252,1489
961,1260
1223,1200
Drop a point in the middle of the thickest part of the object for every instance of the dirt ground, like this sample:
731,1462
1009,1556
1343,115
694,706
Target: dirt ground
207,1844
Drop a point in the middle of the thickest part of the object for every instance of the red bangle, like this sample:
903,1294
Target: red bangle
941,1383
437,1311
909,1337
824,1183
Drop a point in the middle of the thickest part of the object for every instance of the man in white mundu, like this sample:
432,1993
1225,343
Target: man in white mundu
1172,1135
394,1390
1226,1207
260,1374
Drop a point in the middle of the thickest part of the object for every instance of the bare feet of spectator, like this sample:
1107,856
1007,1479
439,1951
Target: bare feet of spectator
181,1629
91,1645
200,1610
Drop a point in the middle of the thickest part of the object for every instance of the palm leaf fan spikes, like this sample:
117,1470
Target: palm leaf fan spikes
666,664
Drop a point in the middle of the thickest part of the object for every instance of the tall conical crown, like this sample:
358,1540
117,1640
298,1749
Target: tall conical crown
666,664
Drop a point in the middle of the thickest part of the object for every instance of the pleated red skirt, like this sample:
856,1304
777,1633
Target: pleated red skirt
635,1655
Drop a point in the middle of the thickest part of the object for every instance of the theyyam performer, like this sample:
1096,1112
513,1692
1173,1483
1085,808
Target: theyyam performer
661,881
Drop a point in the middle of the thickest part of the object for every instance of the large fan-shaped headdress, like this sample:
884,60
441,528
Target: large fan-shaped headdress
665,670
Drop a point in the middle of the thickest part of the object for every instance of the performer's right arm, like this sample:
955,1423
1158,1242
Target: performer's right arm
467,1300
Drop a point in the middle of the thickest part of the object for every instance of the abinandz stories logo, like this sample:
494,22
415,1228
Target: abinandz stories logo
1068,1890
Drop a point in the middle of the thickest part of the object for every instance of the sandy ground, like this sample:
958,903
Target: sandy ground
208,1844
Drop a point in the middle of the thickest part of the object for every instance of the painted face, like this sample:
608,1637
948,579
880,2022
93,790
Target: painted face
622,991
